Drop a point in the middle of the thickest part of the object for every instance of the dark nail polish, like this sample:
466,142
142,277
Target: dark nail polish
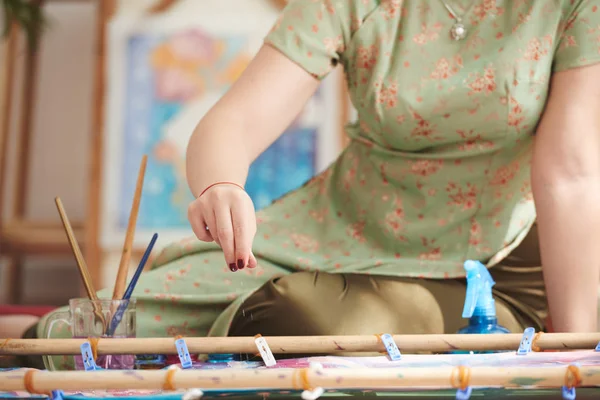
232,267
240,264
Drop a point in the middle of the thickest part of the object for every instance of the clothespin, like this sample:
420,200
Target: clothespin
464,394
184,355
89,364
57,395
526,342
568,393
391,347
265,351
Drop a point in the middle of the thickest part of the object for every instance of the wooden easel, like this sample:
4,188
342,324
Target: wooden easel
19,236
92,250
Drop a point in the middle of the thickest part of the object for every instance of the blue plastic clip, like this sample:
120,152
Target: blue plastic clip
526,341
88,357
391,347
57,395
184,355
598,347
464,394
568,394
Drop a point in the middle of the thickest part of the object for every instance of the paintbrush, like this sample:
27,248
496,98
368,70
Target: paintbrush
116,320
83,270
121,280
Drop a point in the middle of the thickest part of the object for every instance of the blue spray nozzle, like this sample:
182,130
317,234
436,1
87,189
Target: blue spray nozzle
479,300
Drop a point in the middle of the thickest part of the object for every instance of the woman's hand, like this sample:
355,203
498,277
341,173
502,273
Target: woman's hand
245,121
225,214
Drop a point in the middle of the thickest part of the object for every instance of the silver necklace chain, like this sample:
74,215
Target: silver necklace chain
458,30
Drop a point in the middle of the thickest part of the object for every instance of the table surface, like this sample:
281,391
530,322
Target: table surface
492,394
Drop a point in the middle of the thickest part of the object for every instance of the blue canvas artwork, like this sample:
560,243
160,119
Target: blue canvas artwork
171,81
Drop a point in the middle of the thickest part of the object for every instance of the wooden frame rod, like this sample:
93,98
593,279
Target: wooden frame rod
303,344
9,50
299,379
25,127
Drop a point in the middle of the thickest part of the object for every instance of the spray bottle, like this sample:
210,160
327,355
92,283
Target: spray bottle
480,306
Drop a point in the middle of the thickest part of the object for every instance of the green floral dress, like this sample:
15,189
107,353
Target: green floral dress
438,167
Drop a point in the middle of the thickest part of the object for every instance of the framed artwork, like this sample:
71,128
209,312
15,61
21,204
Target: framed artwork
163,72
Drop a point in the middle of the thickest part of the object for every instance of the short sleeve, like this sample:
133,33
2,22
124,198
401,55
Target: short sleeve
314,33
579,41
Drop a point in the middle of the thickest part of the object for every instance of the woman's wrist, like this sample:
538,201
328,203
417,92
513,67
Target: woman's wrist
218,184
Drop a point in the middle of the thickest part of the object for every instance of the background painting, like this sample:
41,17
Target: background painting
165,72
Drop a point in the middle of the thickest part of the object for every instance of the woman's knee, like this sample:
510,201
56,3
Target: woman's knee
284,306
310,287
507,317
317,303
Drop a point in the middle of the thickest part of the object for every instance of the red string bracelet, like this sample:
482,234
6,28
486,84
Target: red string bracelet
221,183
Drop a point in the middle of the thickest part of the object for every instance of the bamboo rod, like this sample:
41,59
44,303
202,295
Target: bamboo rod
301,344
298,379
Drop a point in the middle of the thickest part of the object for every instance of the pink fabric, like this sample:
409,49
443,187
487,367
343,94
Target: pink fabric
38,311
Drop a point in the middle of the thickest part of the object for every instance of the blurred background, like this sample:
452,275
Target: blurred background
87,87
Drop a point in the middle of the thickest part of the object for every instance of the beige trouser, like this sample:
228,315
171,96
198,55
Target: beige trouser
317,303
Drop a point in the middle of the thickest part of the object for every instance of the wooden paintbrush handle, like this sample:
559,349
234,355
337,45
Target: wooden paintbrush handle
121,280
81,265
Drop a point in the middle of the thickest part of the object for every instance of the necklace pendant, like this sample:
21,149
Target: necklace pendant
458,31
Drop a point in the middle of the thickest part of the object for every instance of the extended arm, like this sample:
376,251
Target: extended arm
249,117
255,111
566,188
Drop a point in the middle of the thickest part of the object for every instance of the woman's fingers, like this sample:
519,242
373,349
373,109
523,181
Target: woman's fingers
226,215
225,234
252,263
244,228
198,224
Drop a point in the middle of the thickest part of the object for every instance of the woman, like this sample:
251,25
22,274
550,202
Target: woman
472,116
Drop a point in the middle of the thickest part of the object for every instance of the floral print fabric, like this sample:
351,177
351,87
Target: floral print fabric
438,169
